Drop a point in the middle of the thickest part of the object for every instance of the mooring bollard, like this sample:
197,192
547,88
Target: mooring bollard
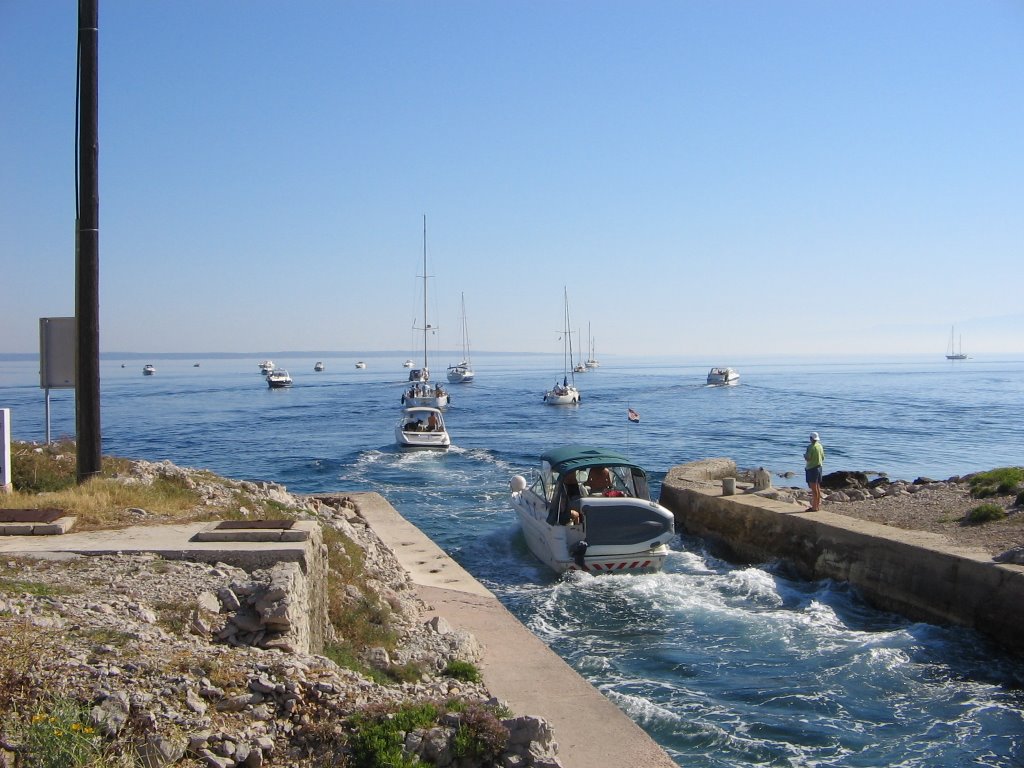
728,486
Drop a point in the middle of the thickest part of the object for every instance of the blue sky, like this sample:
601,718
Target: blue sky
706,178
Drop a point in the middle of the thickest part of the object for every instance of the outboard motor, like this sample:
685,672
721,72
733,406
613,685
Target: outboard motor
578,552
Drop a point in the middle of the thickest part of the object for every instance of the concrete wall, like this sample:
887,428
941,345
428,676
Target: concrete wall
914,573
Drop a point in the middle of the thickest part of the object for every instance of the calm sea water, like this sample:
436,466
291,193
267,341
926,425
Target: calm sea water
722,665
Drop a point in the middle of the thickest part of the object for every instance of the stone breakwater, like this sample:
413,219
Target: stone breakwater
211,664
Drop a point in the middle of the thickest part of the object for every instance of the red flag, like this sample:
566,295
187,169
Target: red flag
632,415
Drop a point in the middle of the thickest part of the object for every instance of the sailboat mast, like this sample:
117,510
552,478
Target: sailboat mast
426,325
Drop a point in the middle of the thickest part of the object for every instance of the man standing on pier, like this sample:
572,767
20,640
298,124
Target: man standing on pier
814,458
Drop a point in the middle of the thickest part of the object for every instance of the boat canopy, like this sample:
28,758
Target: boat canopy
574,457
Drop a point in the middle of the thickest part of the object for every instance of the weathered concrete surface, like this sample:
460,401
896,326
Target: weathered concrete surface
914,573
517,667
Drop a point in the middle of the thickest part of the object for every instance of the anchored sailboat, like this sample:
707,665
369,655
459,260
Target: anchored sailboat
420,390
958,353
565,393
462,373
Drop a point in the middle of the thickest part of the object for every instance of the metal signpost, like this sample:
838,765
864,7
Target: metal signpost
57,340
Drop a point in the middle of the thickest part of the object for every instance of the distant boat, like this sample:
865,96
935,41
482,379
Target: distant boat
723,377
408,364
148,370
279,379
266,366
195,365
319,366
462,373
958,353
565,393
360,364
591,360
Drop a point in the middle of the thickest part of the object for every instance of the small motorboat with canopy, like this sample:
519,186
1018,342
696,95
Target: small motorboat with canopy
590,509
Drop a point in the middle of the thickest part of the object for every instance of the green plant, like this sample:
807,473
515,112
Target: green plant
480,735
61,736
984,513
462,670
996,482
378,734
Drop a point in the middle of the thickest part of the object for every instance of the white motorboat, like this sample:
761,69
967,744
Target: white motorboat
279,379
360,364
723,377
422,427
590,509
319,366
462,372
266,366
420,391
148,370
565,393
408,364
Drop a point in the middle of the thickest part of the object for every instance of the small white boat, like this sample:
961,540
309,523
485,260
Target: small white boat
590,509
279,379
266,366
723,377
319,366
360,364
408,364
423,428
565,393
462,372
148,370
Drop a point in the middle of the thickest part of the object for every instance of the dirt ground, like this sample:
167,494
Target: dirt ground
941,510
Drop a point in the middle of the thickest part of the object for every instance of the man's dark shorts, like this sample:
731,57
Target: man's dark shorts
813,475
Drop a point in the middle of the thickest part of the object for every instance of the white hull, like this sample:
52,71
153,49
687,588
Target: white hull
563,396
553,544
460,374
279,379
422,428
723,377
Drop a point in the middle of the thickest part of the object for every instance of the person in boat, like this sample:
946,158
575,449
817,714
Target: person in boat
432,423
599,480
568,501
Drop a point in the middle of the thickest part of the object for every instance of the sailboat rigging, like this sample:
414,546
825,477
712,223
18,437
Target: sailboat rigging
565,393
958,353
420,391
462,373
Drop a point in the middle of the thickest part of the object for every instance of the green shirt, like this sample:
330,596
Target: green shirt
814,455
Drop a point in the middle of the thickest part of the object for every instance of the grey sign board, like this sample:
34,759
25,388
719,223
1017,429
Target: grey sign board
57,352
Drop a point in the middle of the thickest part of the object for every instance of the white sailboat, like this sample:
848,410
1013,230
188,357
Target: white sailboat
420,391
565,393
591,360
462,373
958,353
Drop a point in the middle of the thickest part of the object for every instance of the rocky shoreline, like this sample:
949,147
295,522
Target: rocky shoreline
936,506
154,651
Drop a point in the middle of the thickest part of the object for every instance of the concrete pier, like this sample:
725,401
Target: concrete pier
915,573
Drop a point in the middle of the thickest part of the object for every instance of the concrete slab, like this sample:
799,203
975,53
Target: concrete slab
58,527
517,667
300,530
175,542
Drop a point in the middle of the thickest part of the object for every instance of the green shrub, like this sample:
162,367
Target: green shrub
984,513
480,735
462,670
378,734
996,482
61,736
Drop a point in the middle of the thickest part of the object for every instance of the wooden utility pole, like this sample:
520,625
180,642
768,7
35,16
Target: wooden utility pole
87,251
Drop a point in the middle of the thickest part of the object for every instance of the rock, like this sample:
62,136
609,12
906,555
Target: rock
1015,555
